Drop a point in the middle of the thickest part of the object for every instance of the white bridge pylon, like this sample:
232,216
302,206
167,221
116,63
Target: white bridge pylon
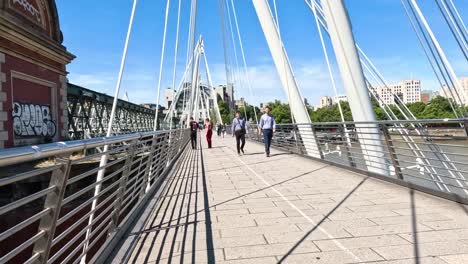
356,90
195,96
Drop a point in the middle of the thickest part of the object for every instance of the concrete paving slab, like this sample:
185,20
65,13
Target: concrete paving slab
253,209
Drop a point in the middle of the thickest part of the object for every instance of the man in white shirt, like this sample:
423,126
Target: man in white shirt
267,126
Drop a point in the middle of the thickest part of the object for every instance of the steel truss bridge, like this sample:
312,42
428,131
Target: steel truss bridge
89,113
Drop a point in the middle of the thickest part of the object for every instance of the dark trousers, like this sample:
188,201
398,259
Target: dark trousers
240,141
193,139
209,134
267,136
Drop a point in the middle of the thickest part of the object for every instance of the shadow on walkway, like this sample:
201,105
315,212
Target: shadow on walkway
321,221
261,189
174,217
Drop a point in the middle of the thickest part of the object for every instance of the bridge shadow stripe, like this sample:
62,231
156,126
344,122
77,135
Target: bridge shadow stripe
191,192
166,187
209,230
186,168
290,251
262,189
175,180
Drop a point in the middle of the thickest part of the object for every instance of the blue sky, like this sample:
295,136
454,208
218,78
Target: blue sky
95,32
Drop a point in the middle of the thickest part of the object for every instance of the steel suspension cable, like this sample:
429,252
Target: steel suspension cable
285,62
187,64
449,80
441,53
225,43
330,72
234,47
454,8
161,64
105,157
241,46
454,29
426,52
176,52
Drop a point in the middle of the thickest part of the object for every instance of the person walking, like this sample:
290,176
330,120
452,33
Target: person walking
239,130
209,131
267,126
218,128
193,132
223,130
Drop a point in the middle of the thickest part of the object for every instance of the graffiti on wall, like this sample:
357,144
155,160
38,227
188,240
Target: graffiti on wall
33,120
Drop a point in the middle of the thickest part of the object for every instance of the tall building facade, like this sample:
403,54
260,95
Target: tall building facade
426,96
409,91
169,94
450,93
340,98
325,101
240,103
226,94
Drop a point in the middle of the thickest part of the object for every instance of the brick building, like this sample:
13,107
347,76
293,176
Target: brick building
33,83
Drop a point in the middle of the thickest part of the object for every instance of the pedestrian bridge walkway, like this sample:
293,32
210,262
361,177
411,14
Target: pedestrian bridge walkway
218,207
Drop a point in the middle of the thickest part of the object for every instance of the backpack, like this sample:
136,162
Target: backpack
194,126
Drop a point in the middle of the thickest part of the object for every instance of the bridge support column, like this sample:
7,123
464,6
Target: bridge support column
339,27
195,85
286,75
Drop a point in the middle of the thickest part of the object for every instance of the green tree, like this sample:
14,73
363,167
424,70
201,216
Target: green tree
250,111
224,111
281,112
417,108
439,107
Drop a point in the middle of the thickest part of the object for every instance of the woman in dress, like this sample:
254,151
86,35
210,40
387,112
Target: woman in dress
209,131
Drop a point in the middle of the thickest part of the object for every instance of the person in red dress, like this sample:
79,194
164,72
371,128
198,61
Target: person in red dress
209,131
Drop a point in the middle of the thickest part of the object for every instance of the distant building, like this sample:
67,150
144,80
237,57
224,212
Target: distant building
457,96
409,91
426,96
153,107
240,103
226,93
340,98
169,94
464,84
325,101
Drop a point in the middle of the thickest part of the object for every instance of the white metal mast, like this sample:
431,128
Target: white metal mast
285,73
339,28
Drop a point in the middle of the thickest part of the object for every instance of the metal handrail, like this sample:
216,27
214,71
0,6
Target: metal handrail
387,122
445,171
29,153
65,194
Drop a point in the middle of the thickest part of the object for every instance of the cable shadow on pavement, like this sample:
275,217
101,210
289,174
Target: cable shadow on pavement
209,231
163,207
414,225
317,225
163,195
262,189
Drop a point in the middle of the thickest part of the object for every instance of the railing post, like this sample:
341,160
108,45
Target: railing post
296,140
344,139
391,150
314,131
465,124
123,186
53,201
149,165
